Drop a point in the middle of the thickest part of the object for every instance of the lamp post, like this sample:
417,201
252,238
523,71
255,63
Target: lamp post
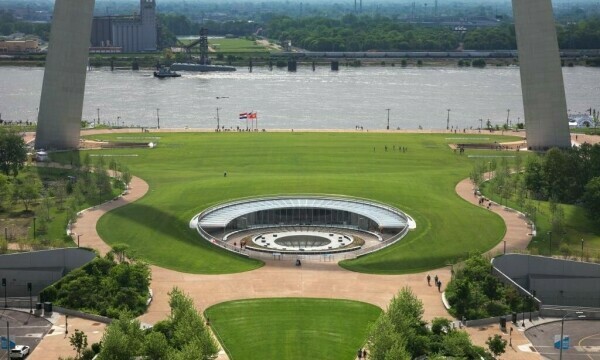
7,340
388,118
562,328
78,235
448,120
504,247
507,116
34,228
29,286
218,120
550,239
157,119
480,125
98,111
581,249
4,285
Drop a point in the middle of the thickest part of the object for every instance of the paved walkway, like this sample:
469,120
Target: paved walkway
283,279
518,233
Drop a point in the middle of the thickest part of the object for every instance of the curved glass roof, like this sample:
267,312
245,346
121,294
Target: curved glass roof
386,217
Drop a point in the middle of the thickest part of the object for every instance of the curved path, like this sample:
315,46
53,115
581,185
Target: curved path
518,233
313,279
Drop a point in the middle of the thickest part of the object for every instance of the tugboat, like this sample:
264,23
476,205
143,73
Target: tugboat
164,72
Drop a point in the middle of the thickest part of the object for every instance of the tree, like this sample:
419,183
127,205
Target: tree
5,188
126,176
122,340
591,199
189,328
27,190
78,341
13,152
497,345
383,340
156,346
58,189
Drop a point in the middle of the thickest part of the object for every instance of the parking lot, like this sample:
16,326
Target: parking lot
584,339
24,328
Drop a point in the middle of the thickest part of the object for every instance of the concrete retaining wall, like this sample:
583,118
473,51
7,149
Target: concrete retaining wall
554,281
41,268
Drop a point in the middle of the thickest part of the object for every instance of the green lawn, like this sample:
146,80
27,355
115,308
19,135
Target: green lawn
185,174
292,328
236,46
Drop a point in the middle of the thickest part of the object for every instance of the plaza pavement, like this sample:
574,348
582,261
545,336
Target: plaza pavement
283,279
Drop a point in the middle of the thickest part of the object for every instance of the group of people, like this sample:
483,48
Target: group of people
400,148
242,244
437,281
482,201
361,353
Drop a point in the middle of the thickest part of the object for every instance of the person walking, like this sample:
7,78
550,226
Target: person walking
364,353
439,284
359,353
428,280
436,280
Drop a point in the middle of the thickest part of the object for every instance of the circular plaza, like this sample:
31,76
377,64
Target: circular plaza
294,225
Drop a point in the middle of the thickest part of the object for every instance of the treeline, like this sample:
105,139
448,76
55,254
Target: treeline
180,24
569,176
10,25
363,33
353,33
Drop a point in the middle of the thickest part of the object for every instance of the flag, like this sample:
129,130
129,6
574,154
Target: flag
252,115
243,116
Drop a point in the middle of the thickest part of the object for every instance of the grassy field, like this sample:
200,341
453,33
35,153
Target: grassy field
292,328
236,46
185,174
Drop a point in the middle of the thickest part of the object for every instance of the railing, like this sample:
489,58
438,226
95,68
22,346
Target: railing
507,280
291,196
384,244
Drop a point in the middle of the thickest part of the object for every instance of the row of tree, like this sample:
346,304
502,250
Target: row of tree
401,334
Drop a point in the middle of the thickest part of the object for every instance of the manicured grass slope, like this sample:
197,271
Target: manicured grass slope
185,174
292,328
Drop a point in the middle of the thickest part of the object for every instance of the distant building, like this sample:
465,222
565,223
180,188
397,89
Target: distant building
19,46
132,33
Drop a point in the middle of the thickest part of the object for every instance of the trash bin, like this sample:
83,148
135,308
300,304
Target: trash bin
514,318
503,323
47,307
38,306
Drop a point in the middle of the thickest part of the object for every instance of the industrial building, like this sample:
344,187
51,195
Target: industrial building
130,33
19,46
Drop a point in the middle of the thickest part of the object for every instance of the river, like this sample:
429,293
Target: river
302,100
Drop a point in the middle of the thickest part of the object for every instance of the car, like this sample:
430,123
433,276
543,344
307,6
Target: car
19,352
